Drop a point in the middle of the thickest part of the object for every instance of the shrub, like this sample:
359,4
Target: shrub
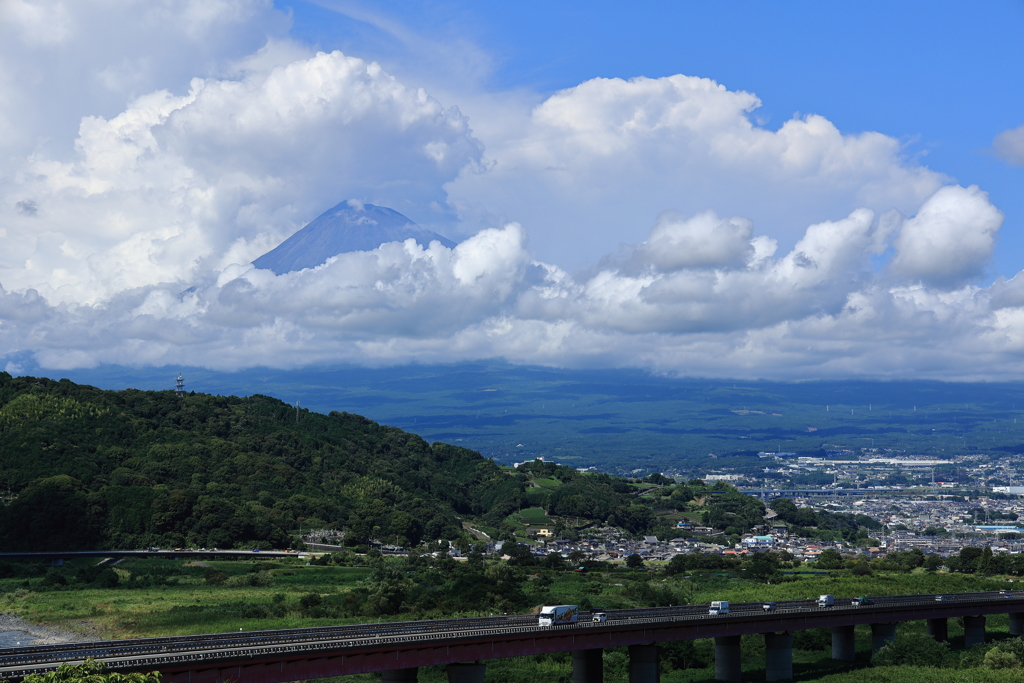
1000,659
214,577
310,600
90,671
913,649
256,579
54,578
861,569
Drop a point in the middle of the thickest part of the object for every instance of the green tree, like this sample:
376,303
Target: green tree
90,671
762,567
830,559
913,649
969,559
634,561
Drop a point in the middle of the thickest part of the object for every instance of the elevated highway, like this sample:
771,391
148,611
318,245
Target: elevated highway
399,648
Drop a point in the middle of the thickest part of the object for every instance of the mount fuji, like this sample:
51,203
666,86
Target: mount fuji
349,226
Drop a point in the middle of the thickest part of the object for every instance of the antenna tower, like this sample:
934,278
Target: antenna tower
296,411
179,385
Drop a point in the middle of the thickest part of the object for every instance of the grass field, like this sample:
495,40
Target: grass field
534,516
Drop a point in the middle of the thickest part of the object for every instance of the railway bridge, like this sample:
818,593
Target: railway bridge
398,649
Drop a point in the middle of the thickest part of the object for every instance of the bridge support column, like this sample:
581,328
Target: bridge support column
644,665
588,666
410,675
974,631
1017,624
728,666
471,672
937,629
778,656
882,635
844,643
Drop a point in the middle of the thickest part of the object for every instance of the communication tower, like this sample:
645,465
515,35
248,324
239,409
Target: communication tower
179,385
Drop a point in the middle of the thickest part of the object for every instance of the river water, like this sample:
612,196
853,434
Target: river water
16,639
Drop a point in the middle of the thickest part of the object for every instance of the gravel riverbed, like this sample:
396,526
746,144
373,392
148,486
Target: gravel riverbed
43,635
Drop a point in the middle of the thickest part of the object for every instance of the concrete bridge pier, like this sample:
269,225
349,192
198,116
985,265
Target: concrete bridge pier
728,666
938,629
882,635
401,675
778,656
1017,623
974,631
844,643
644,664
469,672
588,666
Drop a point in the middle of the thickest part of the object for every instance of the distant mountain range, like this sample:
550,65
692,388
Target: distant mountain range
349,226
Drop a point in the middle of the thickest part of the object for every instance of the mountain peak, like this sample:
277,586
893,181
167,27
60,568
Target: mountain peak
349,226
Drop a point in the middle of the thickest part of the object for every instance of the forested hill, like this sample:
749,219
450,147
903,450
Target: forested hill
85,468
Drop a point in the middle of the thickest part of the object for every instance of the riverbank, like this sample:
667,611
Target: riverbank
42,635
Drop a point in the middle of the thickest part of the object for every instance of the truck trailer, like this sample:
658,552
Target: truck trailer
719,607
557,615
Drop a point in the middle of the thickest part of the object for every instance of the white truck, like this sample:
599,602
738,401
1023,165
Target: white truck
826,600
557,615
719,607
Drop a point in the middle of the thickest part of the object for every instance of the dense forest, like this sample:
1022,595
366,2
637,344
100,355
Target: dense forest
85,468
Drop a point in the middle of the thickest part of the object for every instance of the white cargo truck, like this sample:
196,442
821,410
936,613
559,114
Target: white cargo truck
826,600
557,615
719,607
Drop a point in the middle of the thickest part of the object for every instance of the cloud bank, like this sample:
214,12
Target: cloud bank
648,222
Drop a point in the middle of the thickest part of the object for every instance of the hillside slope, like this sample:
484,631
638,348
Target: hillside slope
85,468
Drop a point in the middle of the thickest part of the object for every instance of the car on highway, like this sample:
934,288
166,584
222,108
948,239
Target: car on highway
255,550
769,606
861,600
599,617
940,598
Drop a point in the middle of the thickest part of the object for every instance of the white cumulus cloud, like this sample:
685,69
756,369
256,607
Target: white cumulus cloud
592,160
1009,146
176,184
950,240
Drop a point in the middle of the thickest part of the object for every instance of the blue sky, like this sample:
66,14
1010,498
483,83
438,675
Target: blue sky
807,190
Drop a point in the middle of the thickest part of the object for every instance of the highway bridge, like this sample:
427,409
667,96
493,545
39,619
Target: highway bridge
398,648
